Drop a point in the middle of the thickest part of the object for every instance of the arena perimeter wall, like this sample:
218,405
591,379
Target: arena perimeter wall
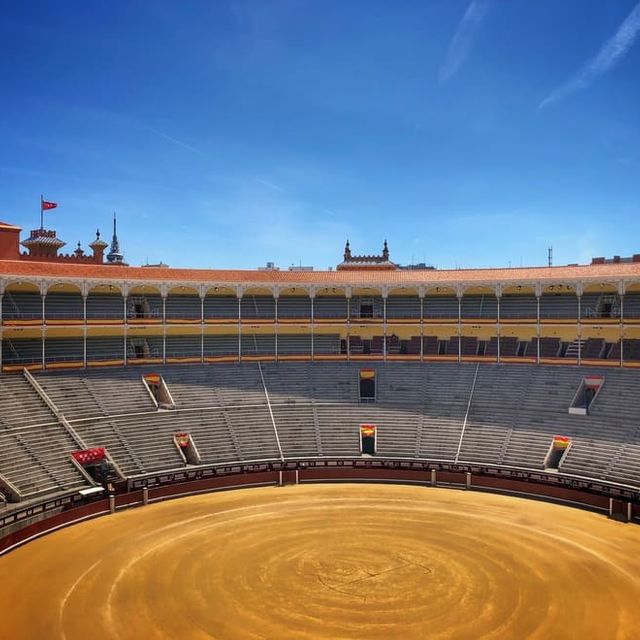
22,525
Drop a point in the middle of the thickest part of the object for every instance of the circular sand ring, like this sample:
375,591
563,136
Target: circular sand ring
347,561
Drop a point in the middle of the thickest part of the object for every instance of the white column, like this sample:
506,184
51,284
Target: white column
84,331
1,330
43,332
384,325
348,294
239,294
125,293
498,296
579,296
537,327
275,324
201,326
164,328
622,330
312,295
459,326
421,294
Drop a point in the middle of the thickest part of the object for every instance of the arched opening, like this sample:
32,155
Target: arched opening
63,304
257,305
144,305
220,305
183,305
105,304
21,304
294,305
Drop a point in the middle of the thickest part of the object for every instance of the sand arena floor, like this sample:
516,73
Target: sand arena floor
341,561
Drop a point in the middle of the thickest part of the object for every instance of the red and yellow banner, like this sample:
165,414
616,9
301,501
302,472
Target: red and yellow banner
367,374
561,442
152,378
89,456
182,439
368,430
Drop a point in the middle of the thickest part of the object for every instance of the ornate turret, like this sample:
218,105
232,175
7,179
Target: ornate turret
78,252
43,243
98,246
367,262
114,256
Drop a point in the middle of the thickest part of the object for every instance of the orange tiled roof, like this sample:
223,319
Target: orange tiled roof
6,225
397,278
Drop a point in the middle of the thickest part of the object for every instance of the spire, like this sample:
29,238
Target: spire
385,251
347,251
114,256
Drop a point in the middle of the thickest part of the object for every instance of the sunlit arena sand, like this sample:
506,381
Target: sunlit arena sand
341,561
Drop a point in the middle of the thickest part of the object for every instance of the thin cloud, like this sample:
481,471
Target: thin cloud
609,55
175,141
460,44
270,185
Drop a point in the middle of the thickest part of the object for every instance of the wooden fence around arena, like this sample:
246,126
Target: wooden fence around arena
20,525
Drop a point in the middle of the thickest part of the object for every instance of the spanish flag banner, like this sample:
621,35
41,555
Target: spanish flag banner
561,442
367,374
367,430
152,378
182,439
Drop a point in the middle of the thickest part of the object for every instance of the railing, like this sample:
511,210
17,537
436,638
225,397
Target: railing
19,525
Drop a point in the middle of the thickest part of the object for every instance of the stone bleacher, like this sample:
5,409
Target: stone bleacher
511,417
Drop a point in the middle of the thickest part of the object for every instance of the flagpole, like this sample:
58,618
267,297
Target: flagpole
41,213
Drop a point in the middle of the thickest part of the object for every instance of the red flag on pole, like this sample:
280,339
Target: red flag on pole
48,205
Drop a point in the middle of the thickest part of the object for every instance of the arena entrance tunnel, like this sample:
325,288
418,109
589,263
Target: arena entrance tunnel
21,525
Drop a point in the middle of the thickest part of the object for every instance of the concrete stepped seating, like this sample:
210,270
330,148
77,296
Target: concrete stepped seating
258,307
330,308
593,348
441,307
67,306
183,307
34,448
22,351
403,307
518,306
420,412
549,347
259,344
137,443
64,349
17,305
632,305
479,306
221,345
294,307
326,344
189,346
90,393
214,385
296,344
221,307
105,348
558,306
105,307
508,346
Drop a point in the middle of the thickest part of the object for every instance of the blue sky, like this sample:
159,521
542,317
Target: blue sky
226,134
